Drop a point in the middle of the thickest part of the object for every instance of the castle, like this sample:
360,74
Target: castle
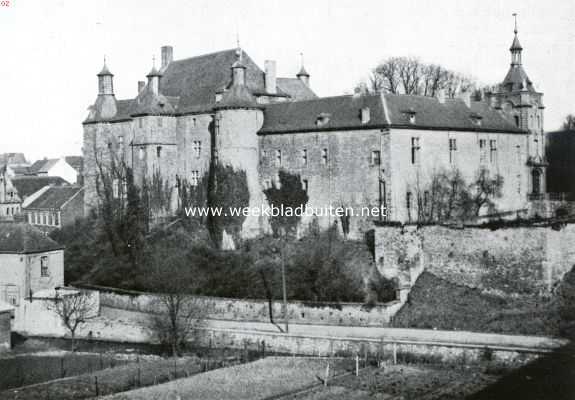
353,151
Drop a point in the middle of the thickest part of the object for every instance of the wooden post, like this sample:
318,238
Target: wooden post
96,384
394,353
357,365
326,374
62,371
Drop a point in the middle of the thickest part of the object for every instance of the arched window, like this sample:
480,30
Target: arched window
516,118
536,181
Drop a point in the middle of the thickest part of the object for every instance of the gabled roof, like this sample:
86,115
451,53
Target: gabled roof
55,197
27,185
43,166
76,162
344,112
22,238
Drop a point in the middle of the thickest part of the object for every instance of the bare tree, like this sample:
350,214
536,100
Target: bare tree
74,309
408,75
569,123
179,314
484,189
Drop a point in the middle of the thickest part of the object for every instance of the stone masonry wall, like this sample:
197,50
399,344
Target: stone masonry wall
510,261
257,310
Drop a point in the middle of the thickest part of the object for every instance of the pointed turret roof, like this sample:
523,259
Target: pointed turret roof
516,45
302,72
105,71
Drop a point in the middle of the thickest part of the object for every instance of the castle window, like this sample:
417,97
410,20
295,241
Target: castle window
44,272
160,121
516,118
194,122
375,157
159,151
140,122
408,201
324,156
195,178
115,188
304,157
197,146
278,158
365,115
30,218
492,151
482,150
518,183
141,153
264,156
305,185
452,150
415,150
57,219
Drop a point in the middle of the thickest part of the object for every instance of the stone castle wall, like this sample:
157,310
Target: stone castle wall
509,261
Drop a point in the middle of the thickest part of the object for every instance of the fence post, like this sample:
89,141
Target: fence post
96,384
62,370
357,364
139,372
394,353
326,374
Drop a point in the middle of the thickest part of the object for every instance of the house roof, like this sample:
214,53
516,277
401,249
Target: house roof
5,307
12,158
76,162
54,197
22,238
20,170
343,112
43,166
26,185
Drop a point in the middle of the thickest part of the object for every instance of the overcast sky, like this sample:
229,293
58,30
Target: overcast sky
52,50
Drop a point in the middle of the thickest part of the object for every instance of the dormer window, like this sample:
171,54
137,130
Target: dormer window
410,115
365,115
322,119
476,119
218,97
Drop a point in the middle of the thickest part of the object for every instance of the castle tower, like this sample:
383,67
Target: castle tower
237,120
105,106
522,104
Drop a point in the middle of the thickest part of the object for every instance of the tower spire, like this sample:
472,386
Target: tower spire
515,48
515,17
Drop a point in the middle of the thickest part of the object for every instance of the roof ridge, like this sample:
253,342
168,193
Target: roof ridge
203,55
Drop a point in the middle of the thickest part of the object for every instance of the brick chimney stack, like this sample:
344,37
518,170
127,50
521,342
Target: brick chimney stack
271,80
167,55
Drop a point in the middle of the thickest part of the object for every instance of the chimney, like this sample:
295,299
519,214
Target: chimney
167,55
270,71
441,96
141,85
466,97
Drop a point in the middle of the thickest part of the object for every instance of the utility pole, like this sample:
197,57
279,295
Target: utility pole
284,286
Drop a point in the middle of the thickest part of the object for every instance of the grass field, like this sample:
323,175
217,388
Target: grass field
435,303
257,380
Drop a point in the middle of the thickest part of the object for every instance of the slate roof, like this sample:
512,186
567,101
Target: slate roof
190,86
55,197
76,162
27,185
295,88
22,238
517,79
42,166
343,112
